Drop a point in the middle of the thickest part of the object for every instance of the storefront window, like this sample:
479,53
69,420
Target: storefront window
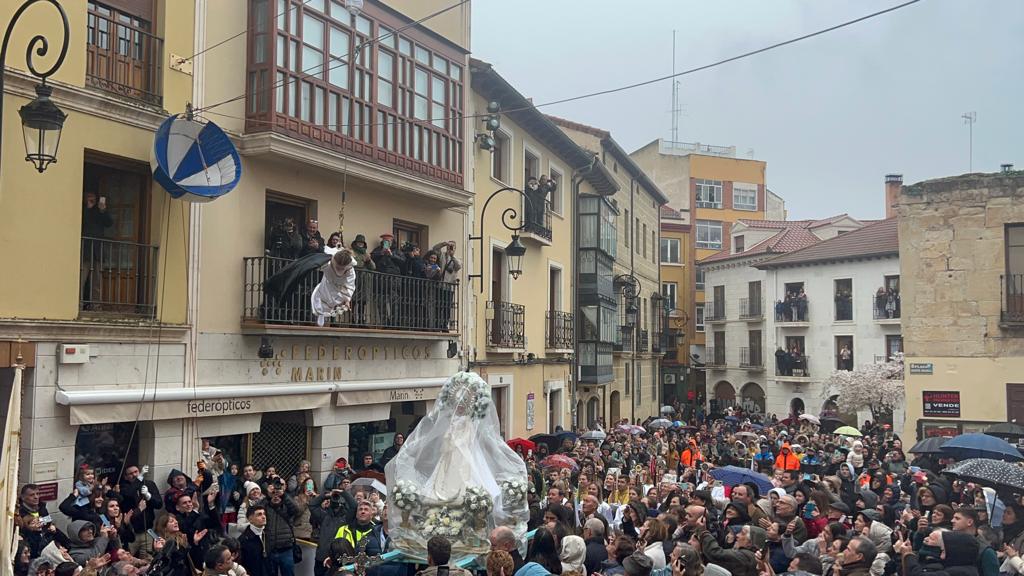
107,447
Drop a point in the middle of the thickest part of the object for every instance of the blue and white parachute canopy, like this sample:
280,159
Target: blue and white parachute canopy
194,161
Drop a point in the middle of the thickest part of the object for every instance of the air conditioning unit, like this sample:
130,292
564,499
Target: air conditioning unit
670,378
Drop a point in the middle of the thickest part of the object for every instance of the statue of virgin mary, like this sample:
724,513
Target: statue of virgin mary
453,474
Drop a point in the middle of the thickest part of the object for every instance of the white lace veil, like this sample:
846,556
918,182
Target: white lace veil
455,476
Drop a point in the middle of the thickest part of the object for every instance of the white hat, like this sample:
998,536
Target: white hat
250,486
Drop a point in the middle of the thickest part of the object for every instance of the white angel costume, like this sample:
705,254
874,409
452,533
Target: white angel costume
455,476
335,290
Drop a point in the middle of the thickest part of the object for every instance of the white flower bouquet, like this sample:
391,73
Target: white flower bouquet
443,521
478,501
405,496
513,492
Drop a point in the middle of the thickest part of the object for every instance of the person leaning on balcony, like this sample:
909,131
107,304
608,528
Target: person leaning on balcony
386,292
95,221
362,262
536,196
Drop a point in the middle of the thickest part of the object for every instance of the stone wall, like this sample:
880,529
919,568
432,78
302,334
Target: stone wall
952,255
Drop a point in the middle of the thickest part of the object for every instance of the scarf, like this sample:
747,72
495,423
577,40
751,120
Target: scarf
257,530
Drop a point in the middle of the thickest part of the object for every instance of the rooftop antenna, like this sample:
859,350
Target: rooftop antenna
970,118
675,94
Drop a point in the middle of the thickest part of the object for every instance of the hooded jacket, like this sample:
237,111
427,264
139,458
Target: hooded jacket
691,456
961,557
787,460
870,499
81,551
881,536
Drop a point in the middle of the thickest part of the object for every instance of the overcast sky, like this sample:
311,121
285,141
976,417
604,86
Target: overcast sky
830,115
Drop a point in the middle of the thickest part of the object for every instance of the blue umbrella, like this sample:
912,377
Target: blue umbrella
734,476
757,426
978,445
732,419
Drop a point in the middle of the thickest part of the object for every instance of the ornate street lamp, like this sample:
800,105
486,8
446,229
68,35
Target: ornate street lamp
41,119
515,250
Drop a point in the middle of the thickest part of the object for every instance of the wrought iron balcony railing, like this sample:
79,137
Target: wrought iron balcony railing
751,308
751,358
118,277
886,306
795,366
716,357
791,311
714,312
540,227
1012,298
381,301
643,342
506,325
123,56
559,330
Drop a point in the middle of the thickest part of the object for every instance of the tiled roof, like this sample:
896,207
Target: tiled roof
878,239
668,212
792,235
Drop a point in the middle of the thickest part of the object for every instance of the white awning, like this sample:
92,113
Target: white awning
157,394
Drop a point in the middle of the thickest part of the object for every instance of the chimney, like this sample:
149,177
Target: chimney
893,185
1006,167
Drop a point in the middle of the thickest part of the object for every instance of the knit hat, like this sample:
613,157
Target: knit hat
758,537
250,486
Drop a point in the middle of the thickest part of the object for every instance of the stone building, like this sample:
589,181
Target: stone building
962,260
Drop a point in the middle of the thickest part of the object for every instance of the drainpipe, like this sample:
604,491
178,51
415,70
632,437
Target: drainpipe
577,180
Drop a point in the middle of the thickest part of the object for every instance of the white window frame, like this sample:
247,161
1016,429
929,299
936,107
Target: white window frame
709,226
697,283
508,156
557,208
678,246
554,265
698,317
672,287
714,187
744,188
527,149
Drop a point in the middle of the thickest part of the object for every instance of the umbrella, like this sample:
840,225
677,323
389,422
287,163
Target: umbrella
667,410
678,424
358,484
732,419
746,435
526,445
734,476
831,423
977,445
632,429
987,472
848,431
549,440
660,423
370,474
594,435
1006,430
811,418
757,426
931,445
565,434
559,461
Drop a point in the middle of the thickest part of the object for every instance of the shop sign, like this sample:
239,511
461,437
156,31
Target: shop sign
198,408
530,420
326,358
921,368
360,397
47,492
44,471
942,404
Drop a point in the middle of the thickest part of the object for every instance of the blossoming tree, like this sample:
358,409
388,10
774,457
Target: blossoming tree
878,387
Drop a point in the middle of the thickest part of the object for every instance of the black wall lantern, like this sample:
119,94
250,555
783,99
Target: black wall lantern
41,119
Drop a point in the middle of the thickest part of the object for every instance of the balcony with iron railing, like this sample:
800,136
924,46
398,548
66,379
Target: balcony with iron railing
1012,297
623,339
537,227
751,359
118,279
793,368
400,305
792,312
886,308
558,332
714,312
643,341
751,309
715,357
123,56
658,342
506,326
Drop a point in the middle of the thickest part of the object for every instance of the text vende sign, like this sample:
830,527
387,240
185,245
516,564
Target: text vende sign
941,404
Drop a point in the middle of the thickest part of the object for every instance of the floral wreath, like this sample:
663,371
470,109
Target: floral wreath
443,521
466,390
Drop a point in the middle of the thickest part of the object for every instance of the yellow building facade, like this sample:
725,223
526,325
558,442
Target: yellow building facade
677,288
95,251
717,189
524,329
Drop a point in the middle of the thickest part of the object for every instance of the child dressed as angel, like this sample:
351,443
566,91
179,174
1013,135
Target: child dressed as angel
336,288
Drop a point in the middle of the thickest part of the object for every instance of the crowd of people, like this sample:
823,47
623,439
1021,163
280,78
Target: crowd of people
410,288
226,519
650,500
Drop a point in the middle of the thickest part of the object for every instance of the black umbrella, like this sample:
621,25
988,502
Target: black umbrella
931,445
549,440
830,423
987,472
1006,430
